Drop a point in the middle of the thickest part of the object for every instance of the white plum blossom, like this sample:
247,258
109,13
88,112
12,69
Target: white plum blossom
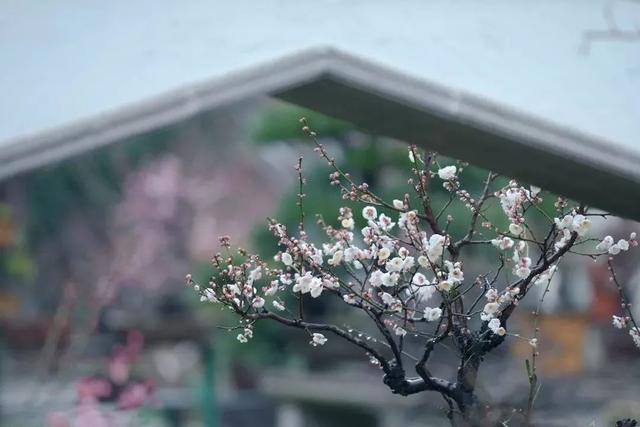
623,245
400,331
248,290
398,204
618,322
407,221
491,308
432,314
317,257
635,336
330,249
390,279
534,191
522,268
258,302
375,278
318,339
564,239
385,223
255,274
434,247
423,261
455,274
330,283
421,287
278,305
315,288
286,279
369,234
272,289
336,258
408,263
349,299
286,259
424,293
508,295
545,276
578,223
613,248
516,229
395,264
209,295
512,199
348,223
581,224
494,326
369,213
564,223
387,298
444,285
492,294
242,338
503,243
419,279
605,244
447,173
383,254
303,282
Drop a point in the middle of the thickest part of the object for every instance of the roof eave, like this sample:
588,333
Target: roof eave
382,101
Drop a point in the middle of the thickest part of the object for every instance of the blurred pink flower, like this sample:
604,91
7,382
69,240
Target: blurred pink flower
58,419
89,415
135,395
91,389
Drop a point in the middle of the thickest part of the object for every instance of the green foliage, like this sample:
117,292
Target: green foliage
19,264
281,123
16,262
383,164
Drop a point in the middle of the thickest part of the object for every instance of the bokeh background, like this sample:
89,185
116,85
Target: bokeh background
99,329
94,254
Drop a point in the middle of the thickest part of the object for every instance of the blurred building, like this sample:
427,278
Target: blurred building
124,154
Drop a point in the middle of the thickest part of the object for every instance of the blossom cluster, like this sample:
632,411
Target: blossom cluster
396,262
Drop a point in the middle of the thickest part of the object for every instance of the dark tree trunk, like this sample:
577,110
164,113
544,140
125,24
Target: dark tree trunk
472,413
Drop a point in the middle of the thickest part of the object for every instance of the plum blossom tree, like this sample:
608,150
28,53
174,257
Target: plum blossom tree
405,271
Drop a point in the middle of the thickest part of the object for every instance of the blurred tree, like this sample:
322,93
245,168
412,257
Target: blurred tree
57,218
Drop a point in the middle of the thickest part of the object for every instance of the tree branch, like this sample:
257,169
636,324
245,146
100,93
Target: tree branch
300,324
